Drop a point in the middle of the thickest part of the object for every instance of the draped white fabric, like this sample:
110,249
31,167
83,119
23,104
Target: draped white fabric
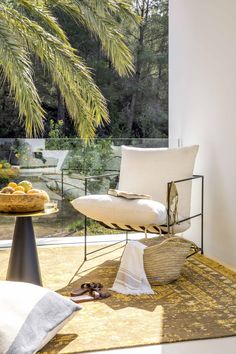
131,277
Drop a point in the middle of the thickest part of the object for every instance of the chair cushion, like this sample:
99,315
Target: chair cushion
30,316
116,210
147,171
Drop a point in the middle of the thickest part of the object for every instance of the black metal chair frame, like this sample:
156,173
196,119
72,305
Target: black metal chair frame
113,174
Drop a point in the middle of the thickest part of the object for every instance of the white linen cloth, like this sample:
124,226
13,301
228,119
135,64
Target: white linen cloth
131,277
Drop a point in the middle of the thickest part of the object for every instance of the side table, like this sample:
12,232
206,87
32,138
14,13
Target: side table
23,262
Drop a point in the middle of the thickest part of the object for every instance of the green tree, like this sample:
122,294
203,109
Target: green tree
138,105
146,108
30,27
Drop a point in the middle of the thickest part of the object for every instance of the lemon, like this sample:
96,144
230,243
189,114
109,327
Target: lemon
18,192
26,185
20,188
12,185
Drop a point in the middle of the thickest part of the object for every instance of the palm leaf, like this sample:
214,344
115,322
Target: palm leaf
16,69
68,71
29,27
40,10
96,17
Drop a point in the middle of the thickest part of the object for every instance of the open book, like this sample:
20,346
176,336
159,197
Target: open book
127,195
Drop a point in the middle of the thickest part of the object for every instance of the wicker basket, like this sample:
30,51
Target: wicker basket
17,203
164,258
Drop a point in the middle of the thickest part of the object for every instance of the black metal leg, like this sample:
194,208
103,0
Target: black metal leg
127,237
85,238
168,208
85,222
202,235
23,264
202,213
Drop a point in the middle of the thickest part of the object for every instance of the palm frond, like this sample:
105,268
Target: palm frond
121,9
40,10
68,71
96,17
126,12
30,27
16,68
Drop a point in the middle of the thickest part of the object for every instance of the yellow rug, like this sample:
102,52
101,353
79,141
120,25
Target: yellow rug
200,305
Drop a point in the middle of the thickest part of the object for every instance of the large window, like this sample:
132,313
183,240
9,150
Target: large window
138,110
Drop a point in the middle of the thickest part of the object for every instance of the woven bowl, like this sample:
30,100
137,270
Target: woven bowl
21,203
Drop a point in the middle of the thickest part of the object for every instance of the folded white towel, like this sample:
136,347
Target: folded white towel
131,277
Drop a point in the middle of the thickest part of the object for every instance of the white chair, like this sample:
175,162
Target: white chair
147,171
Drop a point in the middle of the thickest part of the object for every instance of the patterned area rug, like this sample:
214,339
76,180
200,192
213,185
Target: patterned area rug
200,305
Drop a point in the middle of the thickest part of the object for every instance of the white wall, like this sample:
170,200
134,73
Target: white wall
202,91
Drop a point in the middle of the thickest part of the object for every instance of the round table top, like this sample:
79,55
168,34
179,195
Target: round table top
36,213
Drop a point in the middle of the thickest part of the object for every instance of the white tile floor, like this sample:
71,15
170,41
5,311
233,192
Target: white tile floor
209,346
73,240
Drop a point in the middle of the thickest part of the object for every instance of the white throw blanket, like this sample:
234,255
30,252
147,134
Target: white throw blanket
131,277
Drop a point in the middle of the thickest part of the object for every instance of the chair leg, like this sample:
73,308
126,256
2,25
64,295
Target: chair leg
202,212
202,245
85,238
127,237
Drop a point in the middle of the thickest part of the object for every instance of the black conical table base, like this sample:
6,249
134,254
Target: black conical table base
23,263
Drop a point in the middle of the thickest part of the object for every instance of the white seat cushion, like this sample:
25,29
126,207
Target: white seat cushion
109,209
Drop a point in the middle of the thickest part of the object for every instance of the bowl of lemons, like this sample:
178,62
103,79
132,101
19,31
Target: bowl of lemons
22,198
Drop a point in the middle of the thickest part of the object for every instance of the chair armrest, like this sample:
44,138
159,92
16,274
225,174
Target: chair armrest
187,179
202,197
87,178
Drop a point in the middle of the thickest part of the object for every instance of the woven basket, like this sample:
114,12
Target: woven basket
164,258
16,203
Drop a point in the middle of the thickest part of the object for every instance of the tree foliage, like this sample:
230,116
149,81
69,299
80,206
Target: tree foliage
30,27
141,101
138,104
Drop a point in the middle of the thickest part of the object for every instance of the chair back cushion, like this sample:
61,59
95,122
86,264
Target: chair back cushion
145,170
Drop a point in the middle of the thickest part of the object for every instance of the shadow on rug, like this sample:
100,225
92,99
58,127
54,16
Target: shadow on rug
201,304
